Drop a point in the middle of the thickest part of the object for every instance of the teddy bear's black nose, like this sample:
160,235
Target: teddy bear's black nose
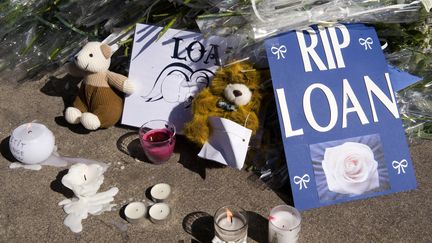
237,93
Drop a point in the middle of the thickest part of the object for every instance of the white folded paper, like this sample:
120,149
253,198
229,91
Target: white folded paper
228,142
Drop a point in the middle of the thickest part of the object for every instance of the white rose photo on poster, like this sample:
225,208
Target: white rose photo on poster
349,167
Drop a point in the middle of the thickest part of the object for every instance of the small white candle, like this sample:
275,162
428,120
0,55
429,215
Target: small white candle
160,192
135,212
159,212
31,143
284,224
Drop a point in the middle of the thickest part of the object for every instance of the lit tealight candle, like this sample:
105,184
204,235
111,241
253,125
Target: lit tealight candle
31,143
159,213
135,212
160,192
231,224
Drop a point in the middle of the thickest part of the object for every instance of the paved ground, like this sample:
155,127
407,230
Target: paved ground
28,199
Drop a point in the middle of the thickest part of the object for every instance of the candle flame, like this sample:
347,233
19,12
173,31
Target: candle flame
229,215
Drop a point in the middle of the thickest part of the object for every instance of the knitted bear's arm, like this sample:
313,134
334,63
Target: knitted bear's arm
116,80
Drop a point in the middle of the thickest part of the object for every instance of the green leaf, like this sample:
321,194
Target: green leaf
167,27
54,53
30,45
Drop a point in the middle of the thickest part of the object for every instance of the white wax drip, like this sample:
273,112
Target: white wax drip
33,144
16,165
84,180
55,160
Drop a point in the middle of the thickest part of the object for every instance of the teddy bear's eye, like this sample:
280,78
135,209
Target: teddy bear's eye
91,55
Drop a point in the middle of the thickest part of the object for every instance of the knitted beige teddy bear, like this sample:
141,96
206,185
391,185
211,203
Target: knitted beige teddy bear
99,103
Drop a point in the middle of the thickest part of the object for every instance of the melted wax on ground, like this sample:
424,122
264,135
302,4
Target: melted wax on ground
84,180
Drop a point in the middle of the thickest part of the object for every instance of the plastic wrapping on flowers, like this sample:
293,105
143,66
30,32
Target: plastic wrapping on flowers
261,19
38,34
409,48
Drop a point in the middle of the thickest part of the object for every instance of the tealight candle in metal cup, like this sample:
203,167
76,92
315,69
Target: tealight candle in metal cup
159,213
135,212
161,192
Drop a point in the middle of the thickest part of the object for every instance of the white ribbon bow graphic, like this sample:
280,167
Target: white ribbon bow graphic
400,165
366,43
302,180
279,51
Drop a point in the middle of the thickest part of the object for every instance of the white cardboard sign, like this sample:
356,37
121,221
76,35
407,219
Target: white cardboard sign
168,72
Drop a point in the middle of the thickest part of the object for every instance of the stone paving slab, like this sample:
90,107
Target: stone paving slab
28,199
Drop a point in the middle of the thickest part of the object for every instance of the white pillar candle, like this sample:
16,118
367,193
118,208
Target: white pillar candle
284,224
31,143
135,212
159,212
160,192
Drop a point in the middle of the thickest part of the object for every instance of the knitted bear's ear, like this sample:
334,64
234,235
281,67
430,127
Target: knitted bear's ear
106,50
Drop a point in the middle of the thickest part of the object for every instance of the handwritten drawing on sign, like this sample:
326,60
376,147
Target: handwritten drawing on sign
339,120
169,71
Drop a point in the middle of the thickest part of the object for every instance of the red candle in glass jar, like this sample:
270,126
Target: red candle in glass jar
158,140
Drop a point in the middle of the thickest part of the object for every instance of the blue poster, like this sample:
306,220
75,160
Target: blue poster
340,124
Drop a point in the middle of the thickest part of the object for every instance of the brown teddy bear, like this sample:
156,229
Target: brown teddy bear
234,94
99,103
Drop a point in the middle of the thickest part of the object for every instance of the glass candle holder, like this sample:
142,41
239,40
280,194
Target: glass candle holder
231,224
284,224
157,139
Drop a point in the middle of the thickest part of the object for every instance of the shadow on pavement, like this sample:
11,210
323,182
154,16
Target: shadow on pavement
200,226
5,151
57,186
129,144
66,87
122,212
258,227
190,160
77,128
285,193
